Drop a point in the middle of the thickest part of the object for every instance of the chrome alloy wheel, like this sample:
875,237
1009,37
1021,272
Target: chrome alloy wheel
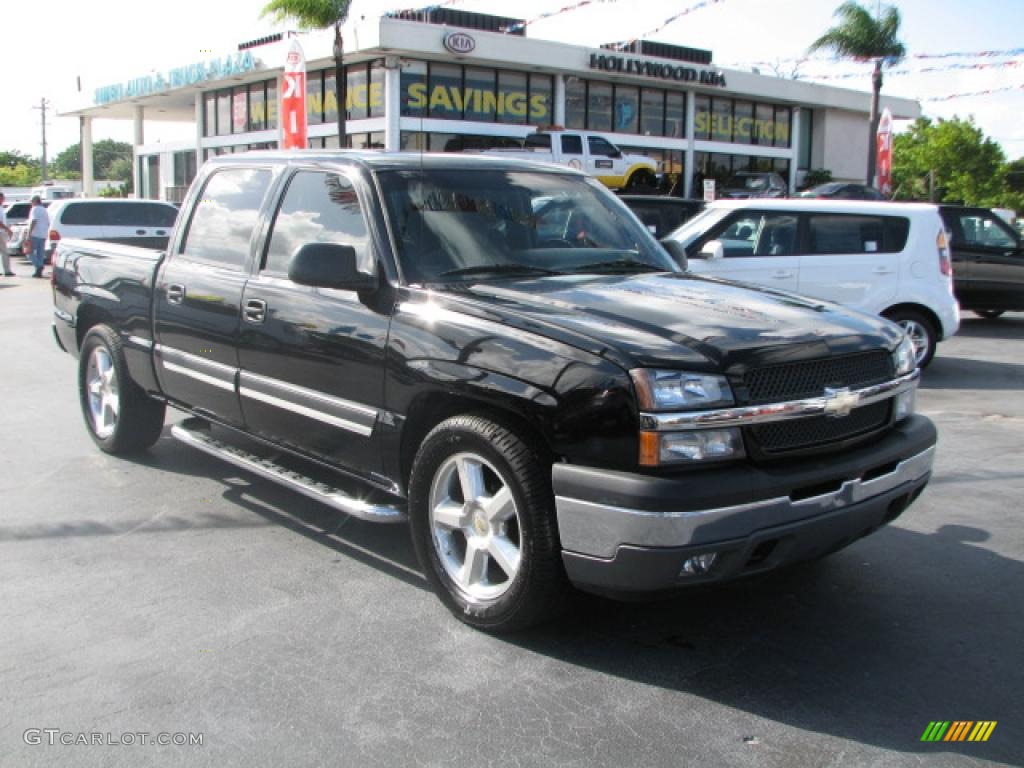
919,337
104,400
475,526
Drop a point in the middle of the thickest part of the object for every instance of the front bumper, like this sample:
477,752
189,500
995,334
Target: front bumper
623,532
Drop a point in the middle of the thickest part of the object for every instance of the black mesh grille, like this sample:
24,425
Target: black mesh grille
818,430
794,381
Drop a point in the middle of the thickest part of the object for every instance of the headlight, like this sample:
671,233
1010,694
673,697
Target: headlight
903,359
679,390
686,447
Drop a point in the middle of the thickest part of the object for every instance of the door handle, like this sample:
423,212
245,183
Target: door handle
782,274
161,232
255,311
140,231
175,293
883,271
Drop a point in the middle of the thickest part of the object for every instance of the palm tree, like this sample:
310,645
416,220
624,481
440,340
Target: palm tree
863,37
320,14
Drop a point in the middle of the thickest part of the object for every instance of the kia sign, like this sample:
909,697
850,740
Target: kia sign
293,99
884,149
459,43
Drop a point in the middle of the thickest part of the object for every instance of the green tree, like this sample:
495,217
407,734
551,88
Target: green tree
863,37
106,154
13,158
21,175
949,161
320,14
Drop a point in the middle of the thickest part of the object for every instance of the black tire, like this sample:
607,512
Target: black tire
538,588
921,330
641,181
989,314
138,419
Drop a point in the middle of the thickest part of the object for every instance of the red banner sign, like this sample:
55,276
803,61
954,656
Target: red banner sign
884,149
293,99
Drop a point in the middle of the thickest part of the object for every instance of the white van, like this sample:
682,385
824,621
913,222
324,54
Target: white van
889,259
50,192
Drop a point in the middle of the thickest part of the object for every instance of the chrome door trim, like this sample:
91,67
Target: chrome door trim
311,403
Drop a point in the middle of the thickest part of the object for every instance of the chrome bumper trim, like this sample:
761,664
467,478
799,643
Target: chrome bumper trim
751,415
599,529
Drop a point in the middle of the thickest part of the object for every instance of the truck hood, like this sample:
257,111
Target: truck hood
675,320
632,160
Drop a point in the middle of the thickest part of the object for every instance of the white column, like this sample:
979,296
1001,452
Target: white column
794,145
392,103
88,187
558,117
688,159
138,140
199,128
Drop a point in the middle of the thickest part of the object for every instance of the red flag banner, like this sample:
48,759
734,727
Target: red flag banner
884,148
293,99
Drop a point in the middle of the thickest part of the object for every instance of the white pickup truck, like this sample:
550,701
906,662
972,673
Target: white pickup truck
589,153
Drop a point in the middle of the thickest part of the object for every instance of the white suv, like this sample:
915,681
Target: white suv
144,223
889,259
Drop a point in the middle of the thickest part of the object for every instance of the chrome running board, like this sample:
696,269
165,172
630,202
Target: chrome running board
325,494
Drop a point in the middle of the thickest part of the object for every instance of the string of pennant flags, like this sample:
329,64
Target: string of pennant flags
798,60
944,68
550,14
672,19
986,92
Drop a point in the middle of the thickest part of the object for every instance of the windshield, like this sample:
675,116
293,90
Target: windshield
748,182
698,225
480,225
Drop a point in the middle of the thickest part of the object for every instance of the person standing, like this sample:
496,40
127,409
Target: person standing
38,230
5,232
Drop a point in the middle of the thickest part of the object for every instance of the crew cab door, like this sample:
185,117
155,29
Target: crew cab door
605,162
853,259
312,359
759,247
198,294
988,260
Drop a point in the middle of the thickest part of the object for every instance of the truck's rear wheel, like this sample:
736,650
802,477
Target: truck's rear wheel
121,418
483,524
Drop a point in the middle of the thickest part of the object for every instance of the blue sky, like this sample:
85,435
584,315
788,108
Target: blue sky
107,41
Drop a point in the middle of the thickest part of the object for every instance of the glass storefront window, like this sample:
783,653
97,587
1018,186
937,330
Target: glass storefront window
444,80
627,109
513,107
652,112
675,114
702,118
479,83
377,88
599,107
743,122
806,121
210,114
782,120
575,103
223,112
721,119
257,107
271,105
764,125
541,89
357,93
414,88
330,97
314,98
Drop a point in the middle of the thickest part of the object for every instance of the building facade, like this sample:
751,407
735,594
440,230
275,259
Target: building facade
442,80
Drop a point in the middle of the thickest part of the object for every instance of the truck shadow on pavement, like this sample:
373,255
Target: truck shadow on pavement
869,645
968,373
1010,326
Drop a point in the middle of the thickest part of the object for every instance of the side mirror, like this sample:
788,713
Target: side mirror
329,265
616,154
713,250
676,251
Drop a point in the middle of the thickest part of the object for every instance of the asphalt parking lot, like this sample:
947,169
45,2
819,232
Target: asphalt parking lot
175,594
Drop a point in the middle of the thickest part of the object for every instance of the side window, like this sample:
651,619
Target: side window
317,208
225,217
599,146
838,233
985,231
157,215
572,145
759,234
76,214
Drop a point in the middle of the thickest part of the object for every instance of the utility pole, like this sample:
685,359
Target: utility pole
43,106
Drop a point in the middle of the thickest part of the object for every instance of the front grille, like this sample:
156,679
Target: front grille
794,381
797,434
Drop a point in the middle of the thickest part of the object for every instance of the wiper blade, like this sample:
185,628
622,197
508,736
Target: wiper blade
500,269
618,265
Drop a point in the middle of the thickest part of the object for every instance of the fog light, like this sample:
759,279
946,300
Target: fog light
905,404
701,564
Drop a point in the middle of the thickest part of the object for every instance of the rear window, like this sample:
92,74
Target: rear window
18,210
841,233
116,214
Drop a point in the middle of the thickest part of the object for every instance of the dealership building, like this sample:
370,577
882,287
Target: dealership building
448,80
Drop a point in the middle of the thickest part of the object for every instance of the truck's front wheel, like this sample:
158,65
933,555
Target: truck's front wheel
121,418
483,524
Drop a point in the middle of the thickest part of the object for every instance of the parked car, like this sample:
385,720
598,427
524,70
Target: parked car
888,259
499,352
662,214
588,152
145,223
988,260
747,184
840,190
17,218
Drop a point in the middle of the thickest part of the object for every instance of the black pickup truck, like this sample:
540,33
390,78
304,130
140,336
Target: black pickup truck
499,352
